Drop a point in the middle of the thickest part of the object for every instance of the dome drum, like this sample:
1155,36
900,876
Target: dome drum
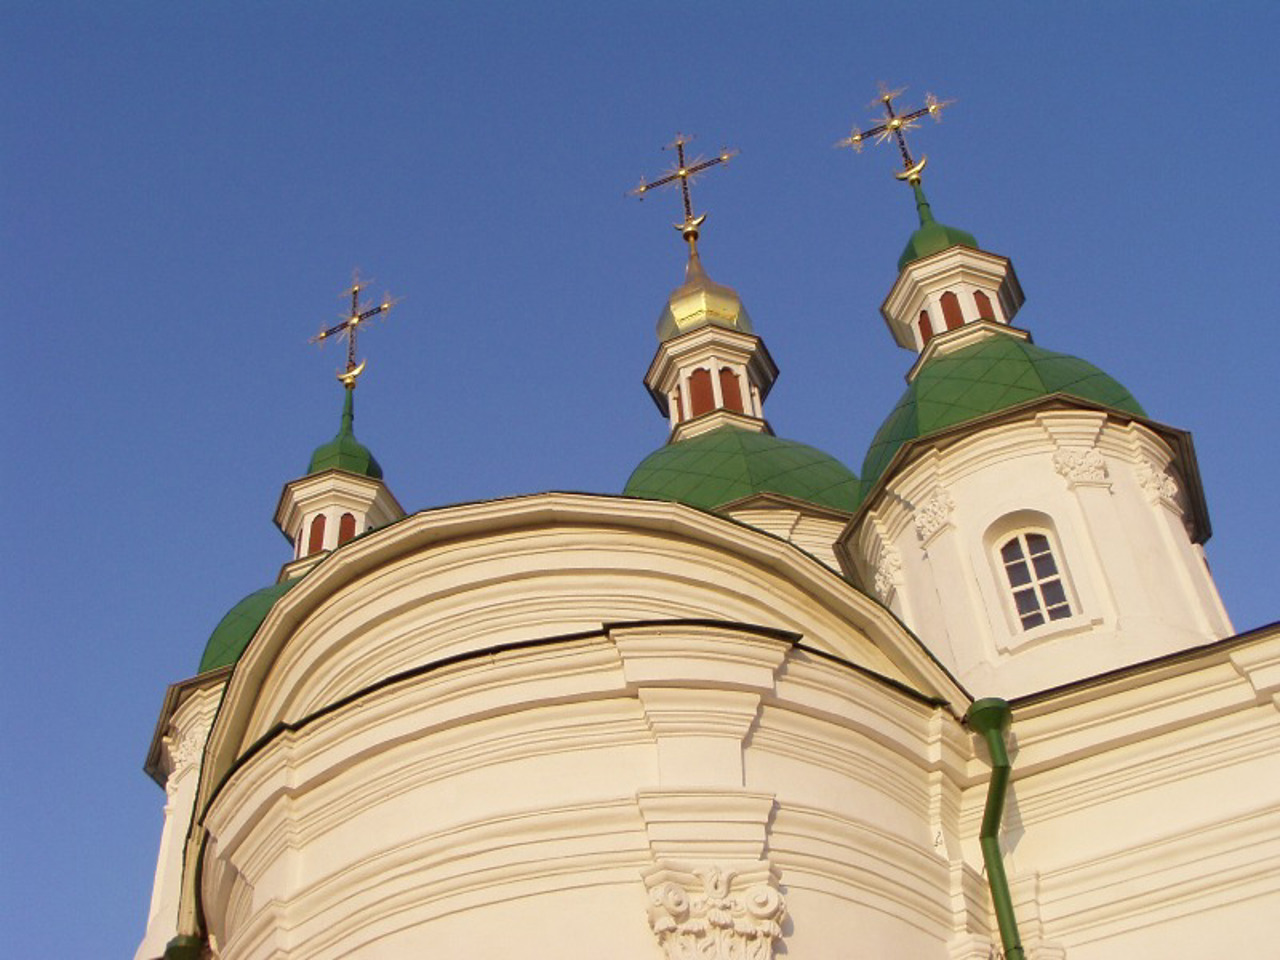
711,369
943,537
321,511
941,292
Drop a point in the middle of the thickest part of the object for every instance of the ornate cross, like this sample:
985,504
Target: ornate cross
349,327
893,124
684,173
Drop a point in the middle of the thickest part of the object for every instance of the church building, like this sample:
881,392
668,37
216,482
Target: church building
979,699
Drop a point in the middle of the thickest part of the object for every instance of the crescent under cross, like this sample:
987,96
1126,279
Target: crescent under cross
684,173
893,124
349,328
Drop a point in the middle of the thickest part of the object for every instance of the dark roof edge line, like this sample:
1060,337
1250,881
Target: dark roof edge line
1169,659
174,696
775,633
1179,439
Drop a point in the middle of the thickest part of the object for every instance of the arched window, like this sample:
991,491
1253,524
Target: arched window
346,528
701,399
926,328
316,540
1039,593
985,311
951,310
730,391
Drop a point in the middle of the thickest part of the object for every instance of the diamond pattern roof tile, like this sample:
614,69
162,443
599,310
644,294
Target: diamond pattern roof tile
729,463
981,379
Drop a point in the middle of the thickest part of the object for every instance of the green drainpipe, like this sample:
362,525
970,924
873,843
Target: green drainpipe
184,947
990,717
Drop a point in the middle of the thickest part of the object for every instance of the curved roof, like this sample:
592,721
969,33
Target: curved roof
701,302
730,463
980,379
236,629
345,452
932,237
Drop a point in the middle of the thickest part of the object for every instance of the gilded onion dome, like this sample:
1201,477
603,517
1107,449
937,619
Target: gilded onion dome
700,302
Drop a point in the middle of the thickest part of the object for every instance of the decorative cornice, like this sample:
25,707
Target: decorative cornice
721,417
949,341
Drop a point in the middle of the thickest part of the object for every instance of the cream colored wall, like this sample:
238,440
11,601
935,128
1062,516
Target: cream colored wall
1144,816
498,799
565,798
1118,512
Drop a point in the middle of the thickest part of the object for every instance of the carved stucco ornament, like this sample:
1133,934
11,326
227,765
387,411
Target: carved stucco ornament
887,569
931,516
1081,465
715,922
1156,482
185,749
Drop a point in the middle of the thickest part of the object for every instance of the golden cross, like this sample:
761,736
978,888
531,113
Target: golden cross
349,327
684,173
892,125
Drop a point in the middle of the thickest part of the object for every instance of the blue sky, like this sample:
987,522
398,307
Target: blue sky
187,187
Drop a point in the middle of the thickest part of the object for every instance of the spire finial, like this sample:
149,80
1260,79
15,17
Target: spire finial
892,125
684,172
349,328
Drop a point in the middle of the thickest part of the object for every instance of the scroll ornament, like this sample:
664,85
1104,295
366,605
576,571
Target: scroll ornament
932,515
1156,481
714,923
887,570
1081,466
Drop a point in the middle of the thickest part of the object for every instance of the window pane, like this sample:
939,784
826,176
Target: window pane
1011,551
1037,543
1053,592
1026,600
1045,567
1032,620
1019,575
1059,613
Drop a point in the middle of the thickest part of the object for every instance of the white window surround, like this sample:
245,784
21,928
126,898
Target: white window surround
1007,628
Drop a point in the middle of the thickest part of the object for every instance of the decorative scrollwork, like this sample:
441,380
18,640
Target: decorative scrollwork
931,516
887,569
1156,481
1081,466
185,748
715,923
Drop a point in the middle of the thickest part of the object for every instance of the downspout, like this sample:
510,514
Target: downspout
990,717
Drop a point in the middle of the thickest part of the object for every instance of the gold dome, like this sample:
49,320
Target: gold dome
699,302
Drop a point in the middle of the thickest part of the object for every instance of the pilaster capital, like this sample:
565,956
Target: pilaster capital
715,911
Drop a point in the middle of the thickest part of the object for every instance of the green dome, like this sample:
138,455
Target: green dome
932,237
729,463
982,378
345,452
236,629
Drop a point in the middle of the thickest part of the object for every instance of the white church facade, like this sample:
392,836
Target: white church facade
980,699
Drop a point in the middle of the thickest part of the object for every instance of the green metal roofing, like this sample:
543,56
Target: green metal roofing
345,452
981,379
932,237
236,629
730,463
